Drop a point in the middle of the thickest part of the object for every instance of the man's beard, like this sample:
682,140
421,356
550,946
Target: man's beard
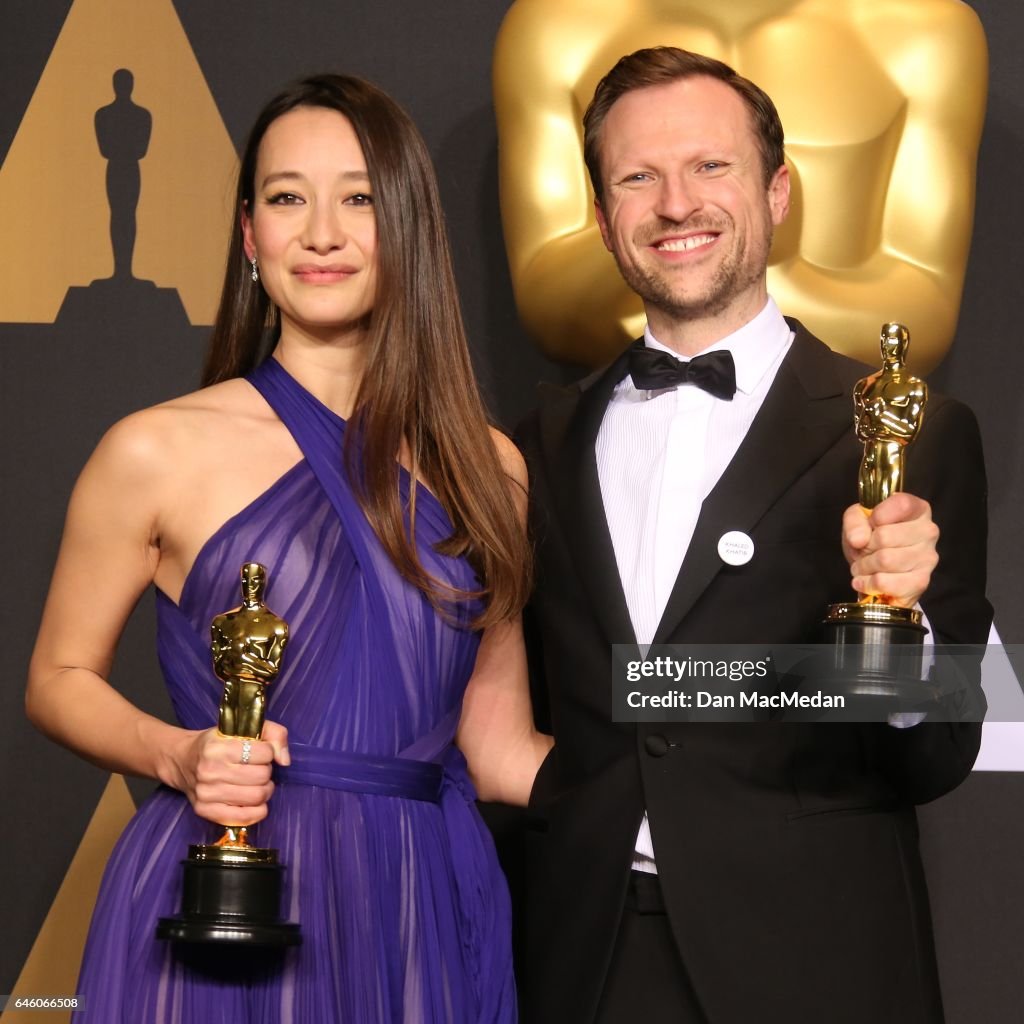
733,275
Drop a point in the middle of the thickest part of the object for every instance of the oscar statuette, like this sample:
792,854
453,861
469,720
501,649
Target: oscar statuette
877,645
232,890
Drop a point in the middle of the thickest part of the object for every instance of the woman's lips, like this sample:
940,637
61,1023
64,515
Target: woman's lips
323,275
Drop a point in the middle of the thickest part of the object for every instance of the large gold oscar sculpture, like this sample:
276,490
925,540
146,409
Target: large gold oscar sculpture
232,890
882,101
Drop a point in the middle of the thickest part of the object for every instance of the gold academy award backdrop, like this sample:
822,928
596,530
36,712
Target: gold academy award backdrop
119,125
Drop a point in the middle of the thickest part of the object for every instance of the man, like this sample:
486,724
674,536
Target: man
884,142
747,873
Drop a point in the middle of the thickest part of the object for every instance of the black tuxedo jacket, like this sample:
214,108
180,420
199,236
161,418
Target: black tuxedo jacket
787,853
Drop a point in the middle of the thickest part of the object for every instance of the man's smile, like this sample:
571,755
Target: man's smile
686,244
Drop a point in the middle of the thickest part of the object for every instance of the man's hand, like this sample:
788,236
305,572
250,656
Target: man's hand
891,551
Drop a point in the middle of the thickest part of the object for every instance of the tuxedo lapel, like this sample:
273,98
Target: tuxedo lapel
805,411
569,422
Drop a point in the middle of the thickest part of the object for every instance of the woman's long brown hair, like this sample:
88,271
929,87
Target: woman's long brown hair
418,384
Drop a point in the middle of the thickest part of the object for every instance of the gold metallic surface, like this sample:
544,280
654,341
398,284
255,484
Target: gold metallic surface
882,102
231,890
247,643
239,853
888,412
868,610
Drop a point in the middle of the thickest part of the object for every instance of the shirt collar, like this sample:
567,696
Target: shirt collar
756,347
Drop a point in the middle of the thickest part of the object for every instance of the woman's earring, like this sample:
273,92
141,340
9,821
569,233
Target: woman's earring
255,269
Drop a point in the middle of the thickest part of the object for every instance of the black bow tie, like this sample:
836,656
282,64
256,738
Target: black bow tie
652,369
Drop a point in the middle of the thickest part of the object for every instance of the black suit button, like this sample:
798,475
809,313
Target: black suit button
656,746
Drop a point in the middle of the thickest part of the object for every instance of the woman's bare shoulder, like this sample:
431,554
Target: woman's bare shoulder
232,402
514,465
153,442
512,461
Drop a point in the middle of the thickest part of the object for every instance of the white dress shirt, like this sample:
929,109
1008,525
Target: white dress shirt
659,455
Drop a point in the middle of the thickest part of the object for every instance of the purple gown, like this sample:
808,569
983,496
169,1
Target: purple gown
390,871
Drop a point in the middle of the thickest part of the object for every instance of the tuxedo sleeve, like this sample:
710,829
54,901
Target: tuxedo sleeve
946,467
525,438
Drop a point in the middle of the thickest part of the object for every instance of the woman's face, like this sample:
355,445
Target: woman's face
312,226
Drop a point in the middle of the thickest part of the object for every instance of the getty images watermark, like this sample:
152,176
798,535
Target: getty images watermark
748,683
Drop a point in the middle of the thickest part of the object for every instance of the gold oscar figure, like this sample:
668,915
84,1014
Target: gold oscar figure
888,411
876,640
883,103
247,644
232,890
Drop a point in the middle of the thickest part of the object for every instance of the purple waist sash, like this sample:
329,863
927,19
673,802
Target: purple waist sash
362,773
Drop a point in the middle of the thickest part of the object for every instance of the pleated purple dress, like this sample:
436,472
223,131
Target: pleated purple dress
391,873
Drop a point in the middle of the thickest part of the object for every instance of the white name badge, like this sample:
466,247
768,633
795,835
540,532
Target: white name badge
735,548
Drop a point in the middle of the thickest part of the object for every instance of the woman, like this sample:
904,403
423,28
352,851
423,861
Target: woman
355,464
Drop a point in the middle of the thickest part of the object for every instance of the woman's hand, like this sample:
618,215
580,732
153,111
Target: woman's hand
209,770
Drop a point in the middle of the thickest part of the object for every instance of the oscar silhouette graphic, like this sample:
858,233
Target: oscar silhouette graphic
123,129
123,133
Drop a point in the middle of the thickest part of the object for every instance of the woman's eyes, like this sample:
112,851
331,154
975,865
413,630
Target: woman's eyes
293,199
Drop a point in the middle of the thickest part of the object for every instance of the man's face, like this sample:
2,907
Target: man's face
686,212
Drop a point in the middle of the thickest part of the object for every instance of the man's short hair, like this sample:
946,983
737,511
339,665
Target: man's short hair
661,65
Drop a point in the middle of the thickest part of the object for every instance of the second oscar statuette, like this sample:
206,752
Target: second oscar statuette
877,644
232,890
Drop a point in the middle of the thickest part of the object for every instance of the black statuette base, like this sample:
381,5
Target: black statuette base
234,903
878,659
